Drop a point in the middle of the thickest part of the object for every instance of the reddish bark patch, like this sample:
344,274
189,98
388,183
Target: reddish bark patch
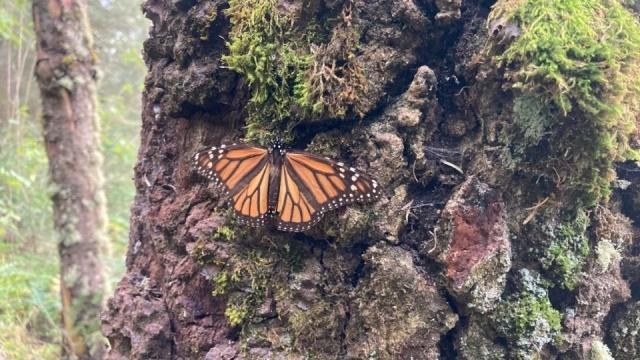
478,230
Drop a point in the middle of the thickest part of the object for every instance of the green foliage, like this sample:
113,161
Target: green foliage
567,247
29,305
29,294
263,50
6,23
575,71
291,256
24,204
527,320
15,24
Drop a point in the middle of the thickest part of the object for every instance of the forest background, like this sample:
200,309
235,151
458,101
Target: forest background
29,281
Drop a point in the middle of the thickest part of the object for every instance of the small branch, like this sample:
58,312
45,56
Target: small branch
454,166
534,210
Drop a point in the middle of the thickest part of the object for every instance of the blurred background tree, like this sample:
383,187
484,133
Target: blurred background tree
29,278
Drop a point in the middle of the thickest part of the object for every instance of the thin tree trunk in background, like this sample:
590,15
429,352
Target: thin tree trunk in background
8,81
32,64
4,107
66,75
20,62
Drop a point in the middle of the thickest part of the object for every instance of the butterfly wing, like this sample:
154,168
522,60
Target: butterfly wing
311,185
242,173
251,204
294,208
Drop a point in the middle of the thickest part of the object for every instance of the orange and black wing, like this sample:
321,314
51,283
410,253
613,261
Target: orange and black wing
311,185
242,173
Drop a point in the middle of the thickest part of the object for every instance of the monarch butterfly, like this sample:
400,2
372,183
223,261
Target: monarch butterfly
291,188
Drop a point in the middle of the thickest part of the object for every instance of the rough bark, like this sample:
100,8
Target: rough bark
66,76
452,262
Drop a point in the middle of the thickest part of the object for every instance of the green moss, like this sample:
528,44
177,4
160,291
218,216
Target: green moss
245,278
318,329
224,233
250,273
235,314
291,256
567,247
263,49
336,83
204,24
574,70
292,72
220,283
528,321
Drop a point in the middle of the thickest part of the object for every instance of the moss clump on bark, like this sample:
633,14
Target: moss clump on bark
224,233
566,251
245,278
336,81
613,233
318,329
290,69
263,49
574,68
236,314
396,310
526,319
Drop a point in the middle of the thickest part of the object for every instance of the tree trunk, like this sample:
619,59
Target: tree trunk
494,239
66,76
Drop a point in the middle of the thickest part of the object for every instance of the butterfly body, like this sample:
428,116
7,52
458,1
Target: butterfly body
286,188
276,152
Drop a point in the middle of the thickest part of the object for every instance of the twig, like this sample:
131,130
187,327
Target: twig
408,208
426,204
434,236
169,187
454,166
534,210
146,181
